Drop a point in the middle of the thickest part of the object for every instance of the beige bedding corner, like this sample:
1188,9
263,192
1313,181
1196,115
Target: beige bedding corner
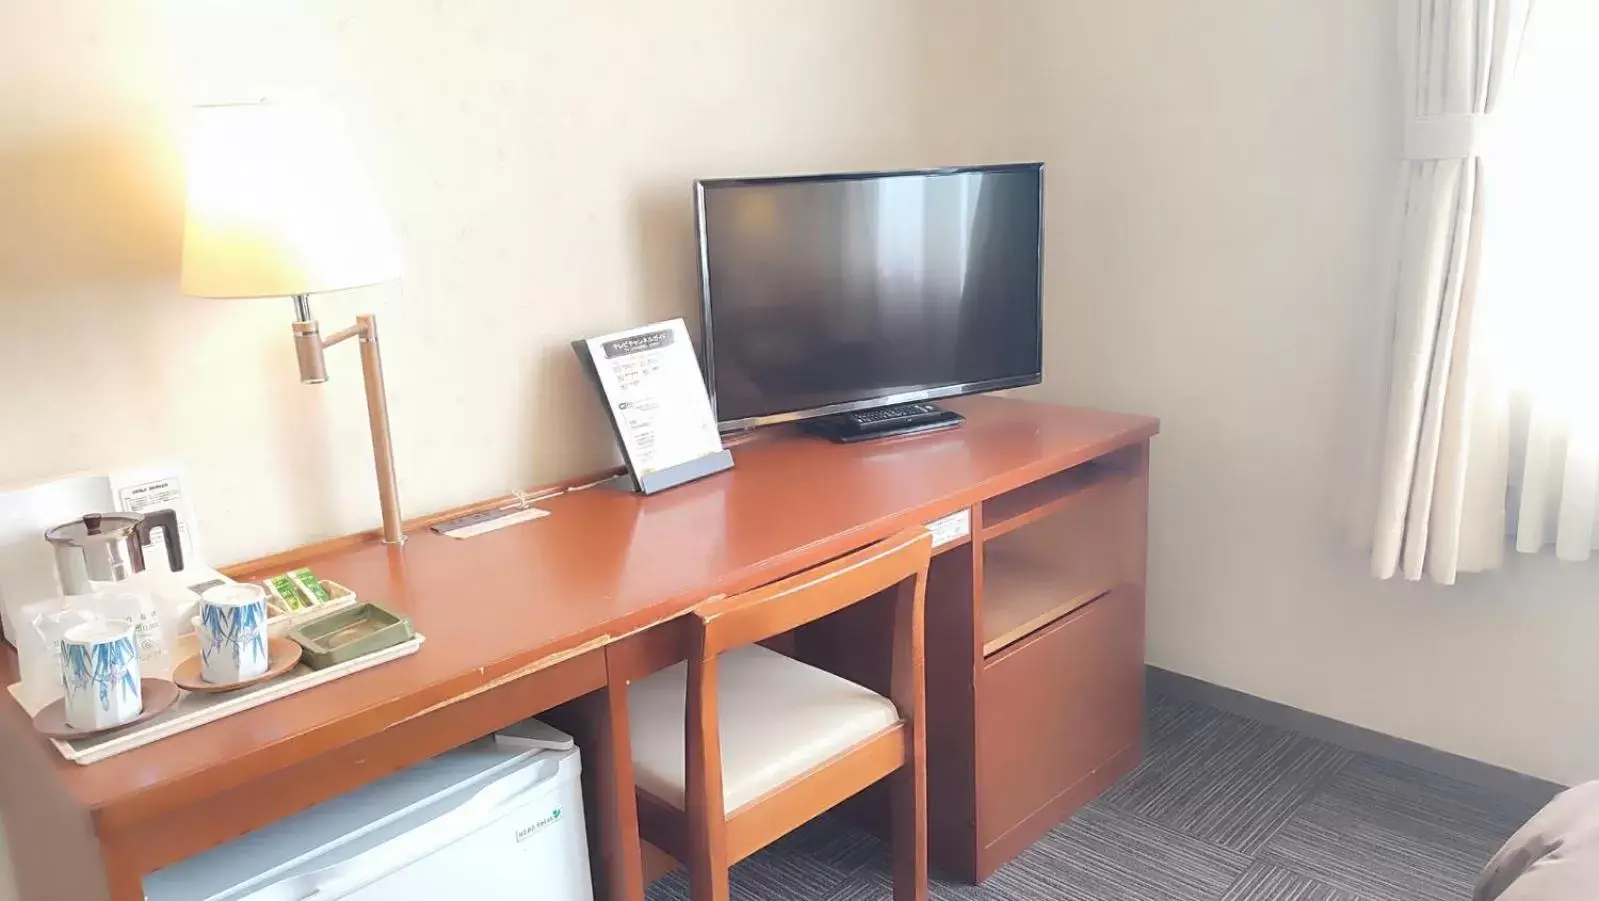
1555,857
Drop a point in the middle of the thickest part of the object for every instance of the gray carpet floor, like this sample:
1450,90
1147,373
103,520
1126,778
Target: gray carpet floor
1223,808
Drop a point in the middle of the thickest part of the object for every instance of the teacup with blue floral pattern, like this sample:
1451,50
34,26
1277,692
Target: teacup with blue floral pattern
233,633
100,675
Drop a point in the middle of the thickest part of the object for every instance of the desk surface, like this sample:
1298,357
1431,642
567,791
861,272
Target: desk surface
605,563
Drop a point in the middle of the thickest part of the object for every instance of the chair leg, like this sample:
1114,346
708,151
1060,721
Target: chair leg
702,789
708,882
908,786
618,803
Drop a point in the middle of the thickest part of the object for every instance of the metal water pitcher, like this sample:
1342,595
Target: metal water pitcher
109,547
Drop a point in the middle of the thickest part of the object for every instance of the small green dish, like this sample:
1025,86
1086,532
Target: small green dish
348,634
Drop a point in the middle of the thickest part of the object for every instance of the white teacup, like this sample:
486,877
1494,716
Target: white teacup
233,633
100,673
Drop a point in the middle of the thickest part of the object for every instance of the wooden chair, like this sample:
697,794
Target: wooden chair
773,742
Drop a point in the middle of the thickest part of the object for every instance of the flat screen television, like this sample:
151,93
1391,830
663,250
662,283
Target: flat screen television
832,294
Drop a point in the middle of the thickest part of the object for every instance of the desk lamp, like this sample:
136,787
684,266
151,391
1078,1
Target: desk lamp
276,210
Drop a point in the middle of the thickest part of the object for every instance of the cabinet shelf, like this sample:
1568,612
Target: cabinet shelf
1020,597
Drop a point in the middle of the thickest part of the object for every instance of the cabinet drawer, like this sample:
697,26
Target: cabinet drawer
1056,706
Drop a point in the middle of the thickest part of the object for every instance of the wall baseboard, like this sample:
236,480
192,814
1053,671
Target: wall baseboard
1356,738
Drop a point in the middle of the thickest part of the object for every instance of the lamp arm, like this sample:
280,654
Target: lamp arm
344,335
309,345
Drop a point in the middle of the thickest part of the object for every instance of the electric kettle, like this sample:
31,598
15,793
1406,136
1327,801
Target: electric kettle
109,547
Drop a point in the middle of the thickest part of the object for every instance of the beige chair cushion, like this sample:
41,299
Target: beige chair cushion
779,718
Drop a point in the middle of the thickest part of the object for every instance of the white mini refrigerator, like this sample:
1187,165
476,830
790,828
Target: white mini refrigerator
484,821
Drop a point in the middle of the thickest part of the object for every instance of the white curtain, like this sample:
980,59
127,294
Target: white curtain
1455,56
1538,363
1493,418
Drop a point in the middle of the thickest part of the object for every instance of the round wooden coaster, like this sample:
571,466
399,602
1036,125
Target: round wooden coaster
157,695
282,655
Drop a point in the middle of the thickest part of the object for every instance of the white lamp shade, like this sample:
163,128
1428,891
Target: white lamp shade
277,208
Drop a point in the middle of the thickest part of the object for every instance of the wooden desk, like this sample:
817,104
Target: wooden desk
497,609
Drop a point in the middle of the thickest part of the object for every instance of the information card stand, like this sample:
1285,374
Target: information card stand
671,477
655,399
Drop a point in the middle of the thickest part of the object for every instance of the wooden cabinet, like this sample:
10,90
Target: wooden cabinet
1053,711
1059,671
1035,660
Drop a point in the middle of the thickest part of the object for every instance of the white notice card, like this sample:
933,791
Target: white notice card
656,395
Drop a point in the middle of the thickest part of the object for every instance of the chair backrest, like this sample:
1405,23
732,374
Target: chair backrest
900,562
776,608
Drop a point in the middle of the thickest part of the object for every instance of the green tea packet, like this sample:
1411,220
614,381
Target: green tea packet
310,586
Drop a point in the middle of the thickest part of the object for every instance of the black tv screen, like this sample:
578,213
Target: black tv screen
827,294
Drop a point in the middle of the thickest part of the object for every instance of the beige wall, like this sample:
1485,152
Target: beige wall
1217,184
537,157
